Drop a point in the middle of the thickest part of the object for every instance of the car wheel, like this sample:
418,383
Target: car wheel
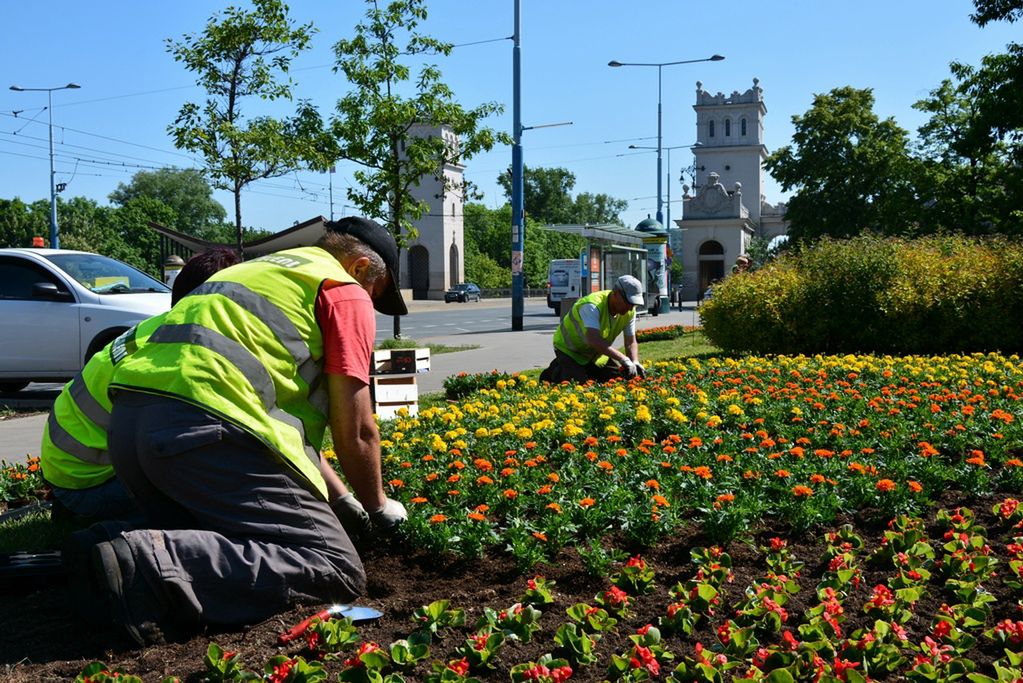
102,340
12,387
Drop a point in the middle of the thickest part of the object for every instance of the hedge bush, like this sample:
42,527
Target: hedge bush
938,294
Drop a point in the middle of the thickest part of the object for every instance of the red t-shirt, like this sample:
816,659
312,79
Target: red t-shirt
349,328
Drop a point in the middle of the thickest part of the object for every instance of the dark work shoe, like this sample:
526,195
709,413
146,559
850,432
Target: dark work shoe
88,598
134,604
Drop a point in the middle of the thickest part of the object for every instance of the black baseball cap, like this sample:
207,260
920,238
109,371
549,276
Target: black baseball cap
379,239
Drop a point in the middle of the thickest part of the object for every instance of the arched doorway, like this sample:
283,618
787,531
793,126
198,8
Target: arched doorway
419,271
712,265
453,266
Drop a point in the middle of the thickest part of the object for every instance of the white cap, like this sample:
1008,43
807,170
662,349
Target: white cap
630,288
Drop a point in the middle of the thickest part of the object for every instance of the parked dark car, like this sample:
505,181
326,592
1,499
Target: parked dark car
464,291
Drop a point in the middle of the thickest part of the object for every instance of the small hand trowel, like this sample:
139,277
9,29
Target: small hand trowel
356,613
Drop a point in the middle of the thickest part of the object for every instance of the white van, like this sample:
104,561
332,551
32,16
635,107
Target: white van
564,279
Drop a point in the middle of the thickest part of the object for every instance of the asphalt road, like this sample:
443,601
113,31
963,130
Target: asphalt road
437,319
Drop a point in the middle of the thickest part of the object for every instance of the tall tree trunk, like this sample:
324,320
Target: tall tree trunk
238,220
396,320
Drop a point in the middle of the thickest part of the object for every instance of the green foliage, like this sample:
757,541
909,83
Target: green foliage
931,295
850,170
995,10
547,198
184,191
461,385
390,135
240,55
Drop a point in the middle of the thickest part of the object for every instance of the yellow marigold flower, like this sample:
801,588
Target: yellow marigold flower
329,453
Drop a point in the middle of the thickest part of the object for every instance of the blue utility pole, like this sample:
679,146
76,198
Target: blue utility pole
517,185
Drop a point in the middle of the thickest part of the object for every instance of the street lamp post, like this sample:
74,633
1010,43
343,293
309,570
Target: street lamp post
54,239
668,150
660,65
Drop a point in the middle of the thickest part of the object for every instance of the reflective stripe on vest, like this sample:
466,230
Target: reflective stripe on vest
570,336
89,406
69,444
246,346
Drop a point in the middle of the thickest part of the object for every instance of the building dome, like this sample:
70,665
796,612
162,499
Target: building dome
651,225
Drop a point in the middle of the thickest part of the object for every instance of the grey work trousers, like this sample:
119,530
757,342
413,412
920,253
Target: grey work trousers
564,368
235,536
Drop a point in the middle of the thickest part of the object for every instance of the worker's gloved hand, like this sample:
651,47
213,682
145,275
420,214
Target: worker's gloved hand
387,519
353,516
640,370
629,368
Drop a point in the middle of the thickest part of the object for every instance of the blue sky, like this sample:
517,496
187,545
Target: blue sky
132,88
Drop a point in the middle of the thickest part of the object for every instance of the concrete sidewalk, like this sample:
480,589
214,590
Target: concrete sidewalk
505,351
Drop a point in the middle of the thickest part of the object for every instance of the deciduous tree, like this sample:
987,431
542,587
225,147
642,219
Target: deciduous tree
850,170
242,55
182,189
385,123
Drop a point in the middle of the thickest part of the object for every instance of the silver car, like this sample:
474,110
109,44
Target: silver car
59,307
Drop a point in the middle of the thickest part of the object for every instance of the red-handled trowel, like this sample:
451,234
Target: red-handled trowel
356,613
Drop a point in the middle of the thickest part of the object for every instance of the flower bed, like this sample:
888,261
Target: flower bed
662,333
797,440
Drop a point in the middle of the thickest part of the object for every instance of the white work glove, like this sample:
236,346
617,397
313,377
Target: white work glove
640,370
353,516
387,519
629,368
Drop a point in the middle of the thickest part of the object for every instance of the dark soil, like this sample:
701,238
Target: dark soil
42,640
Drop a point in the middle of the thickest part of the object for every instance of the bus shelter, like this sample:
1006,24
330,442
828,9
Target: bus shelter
610,252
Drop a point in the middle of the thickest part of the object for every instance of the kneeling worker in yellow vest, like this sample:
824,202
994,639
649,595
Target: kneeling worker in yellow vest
589,331
74,455
216,430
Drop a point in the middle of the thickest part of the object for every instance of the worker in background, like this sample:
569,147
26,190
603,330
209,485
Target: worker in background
589,331
74,456
216,430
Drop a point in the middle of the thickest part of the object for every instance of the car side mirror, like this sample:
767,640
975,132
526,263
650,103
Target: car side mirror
48,290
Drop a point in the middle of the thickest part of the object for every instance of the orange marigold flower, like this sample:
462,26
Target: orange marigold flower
782,474
432,476
428,457
507,471
750,474
540,536
482,464
695,442
530,463
857,468
396,483
914,486
555,507
482,507
530,445
976,458
703,472
796,452
586,502
614,438
800,491
553,477
725,498
661,501
591,456
823,453
927,450
568,448
455,451
590,441
477,517
510,493
438,518
1014,462
885,486
454,478
484,480
454,492
405,465
419,499
605,465
653,484
817,479
621,452
544,490
456,465
724,457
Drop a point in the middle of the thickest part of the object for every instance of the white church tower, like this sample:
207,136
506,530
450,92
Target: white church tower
727,207
435,260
